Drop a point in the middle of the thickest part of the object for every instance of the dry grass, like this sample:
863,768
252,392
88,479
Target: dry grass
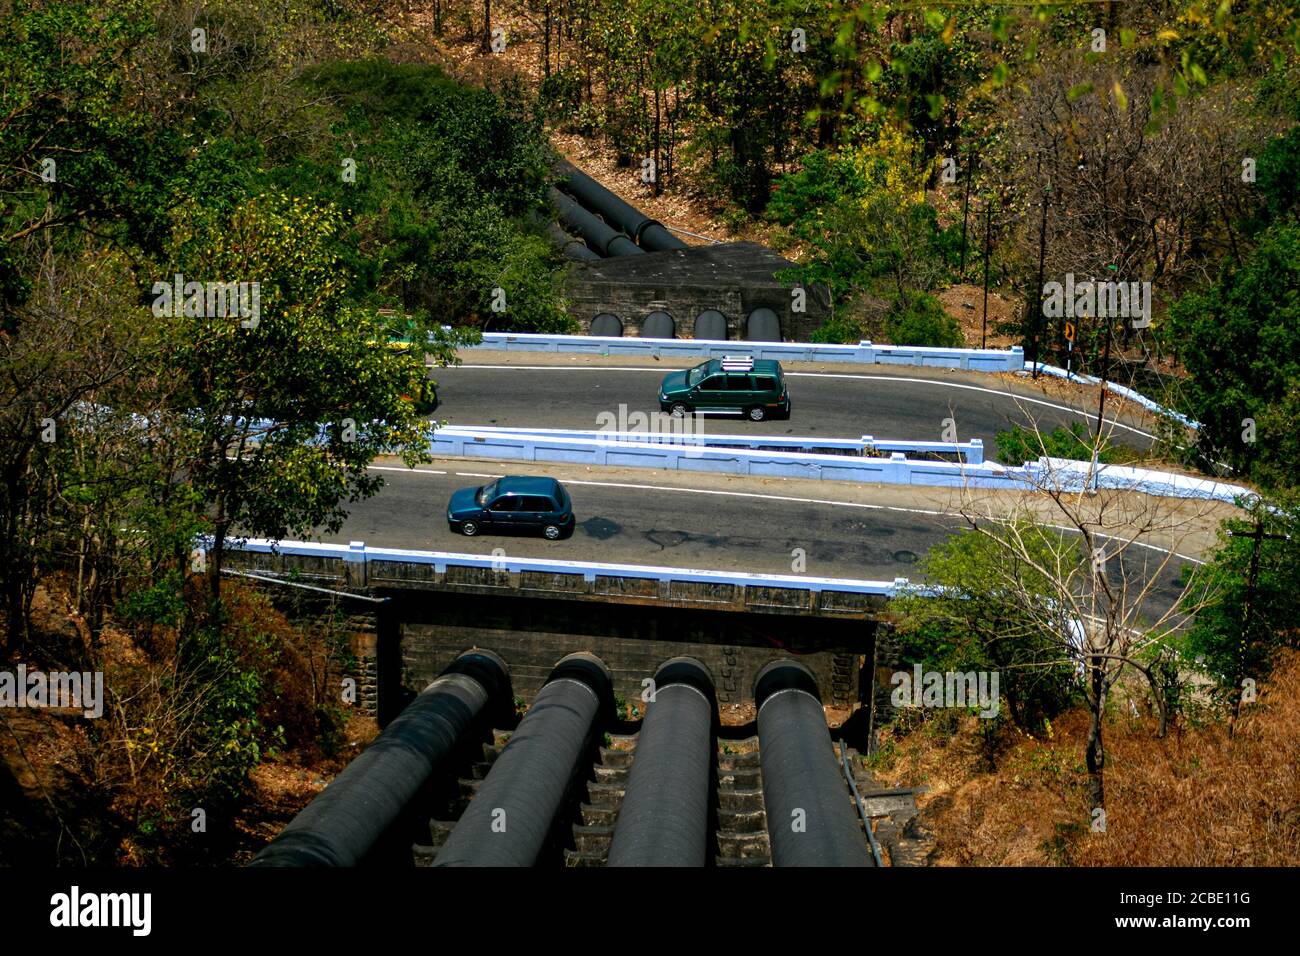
107,791
1192,799
281,787
965,303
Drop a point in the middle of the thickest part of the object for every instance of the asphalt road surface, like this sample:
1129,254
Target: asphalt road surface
845,405
633,520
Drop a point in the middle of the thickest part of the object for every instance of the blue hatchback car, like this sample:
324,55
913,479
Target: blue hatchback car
513,503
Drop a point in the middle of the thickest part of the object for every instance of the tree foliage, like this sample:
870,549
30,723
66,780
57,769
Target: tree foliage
375,208
973,625
1226,640
1240,341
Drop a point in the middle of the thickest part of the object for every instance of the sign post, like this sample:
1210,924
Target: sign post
1069,348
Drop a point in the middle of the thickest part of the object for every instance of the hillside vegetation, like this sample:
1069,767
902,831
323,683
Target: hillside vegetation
1193,799
231,232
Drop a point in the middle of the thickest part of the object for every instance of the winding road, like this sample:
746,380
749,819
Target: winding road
886,405
721,522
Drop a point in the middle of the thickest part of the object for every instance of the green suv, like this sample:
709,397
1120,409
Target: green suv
754,388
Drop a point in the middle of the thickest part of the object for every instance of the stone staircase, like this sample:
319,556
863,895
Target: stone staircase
894,817
442,823
742,817
740,835
593,831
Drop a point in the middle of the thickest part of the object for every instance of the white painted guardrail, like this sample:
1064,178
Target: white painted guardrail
864,353
1068,475
971,451
897,469
1128,393
359,552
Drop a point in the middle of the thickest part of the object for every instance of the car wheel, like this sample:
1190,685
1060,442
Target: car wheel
469,528
680,410
757,413
552,532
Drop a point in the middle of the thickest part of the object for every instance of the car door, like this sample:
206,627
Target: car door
766,391
503,512
534,510
712,392
740,391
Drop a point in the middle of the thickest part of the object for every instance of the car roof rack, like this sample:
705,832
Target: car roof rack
737,363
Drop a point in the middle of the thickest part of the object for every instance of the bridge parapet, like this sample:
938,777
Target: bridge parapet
358,567
864,353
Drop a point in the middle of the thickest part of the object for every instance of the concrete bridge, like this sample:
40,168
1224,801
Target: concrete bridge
418,610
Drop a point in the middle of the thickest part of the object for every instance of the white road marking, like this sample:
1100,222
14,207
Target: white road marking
880,378
569,368
977,388
632,486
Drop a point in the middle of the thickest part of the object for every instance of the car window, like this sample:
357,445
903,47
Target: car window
537,503
694,376
716,383
738,383
487,493
765,383
505,503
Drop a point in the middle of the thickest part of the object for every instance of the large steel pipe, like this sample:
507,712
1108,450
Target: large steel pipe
810,817
664,820
572,247
510,818
649,234
606,241
341,825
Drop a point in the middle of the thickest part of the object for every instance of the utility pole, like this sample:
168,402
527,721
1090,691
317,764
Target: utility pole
1258,536
1101,406
965,217
1105,363
1038,293
1105,372
988,241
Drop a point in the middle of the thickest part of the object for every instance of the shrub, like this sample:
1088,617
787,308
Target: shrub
918,318
1017,445
560,95
838,331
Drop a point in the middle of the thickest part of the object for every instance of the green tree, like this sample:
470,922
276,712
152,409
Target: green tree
66,349
71,157
973,624
284,411
864,215
448,181
1240,341
1224,640
1278,178
1018,444
918,318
